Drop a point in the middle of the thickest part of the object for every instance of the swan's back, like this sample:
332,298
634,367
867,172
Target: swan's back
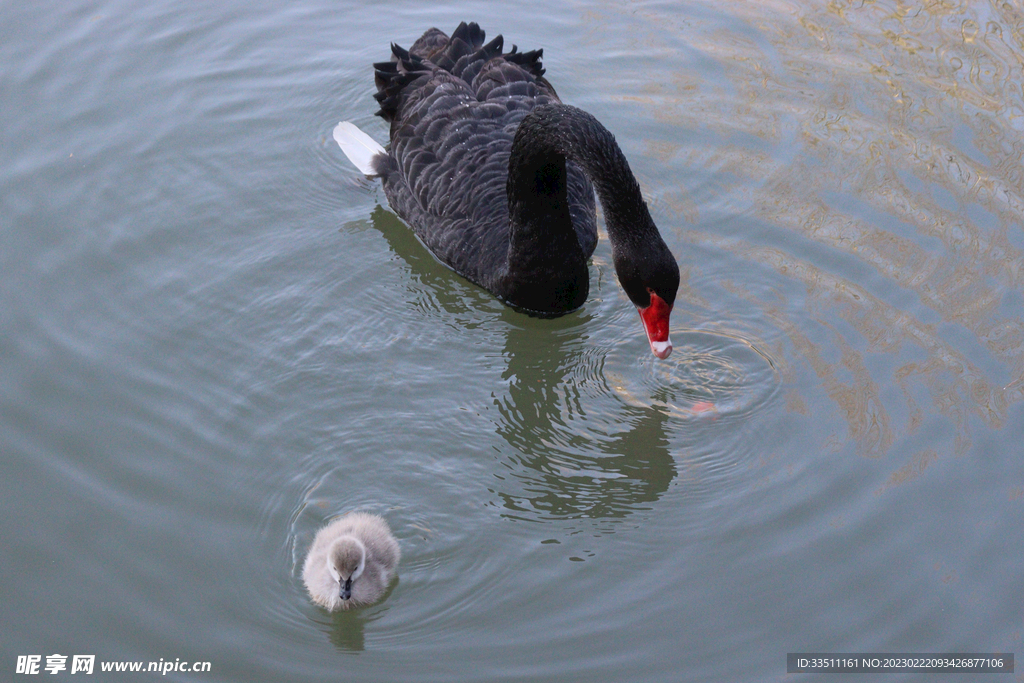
454,105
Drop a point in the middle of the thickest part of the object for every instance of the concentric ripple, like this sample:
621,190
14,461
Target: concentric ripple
708,372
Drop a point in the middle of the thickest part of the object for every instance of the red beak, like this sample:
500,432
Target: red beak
655,320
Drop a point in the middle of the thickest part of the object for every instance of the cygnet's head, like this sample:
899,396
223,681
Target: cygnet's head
345,561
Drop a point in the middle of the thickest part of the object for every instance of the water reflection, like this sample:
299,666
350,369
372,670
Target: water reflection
346,630
568,458
868,161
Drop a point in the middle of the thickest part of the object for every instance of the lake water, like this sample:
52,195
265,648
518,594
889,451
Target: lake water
214,337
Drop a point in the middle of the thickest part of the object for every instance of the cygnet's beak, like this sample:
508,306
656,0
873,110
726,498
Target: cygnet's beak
655,319
346,589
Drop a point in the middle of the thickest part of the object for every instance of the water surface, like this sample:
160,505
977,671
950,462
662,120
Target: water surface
215,337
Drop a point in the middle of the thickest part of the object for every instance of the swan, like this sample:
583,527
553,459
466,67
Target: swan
351,562
496,177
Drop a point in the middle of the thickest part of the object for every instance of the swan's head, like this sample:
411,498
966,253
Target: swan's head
651,280
346,561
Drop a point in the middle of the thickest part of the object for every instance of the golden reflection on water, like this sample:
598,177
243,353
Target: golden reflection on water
888,135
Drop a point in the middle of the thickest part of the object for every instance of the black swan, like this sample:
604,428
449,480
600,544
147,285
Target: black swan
496,177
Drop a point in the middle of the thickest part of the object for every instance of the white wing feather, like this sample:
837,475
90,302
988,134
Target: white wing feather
359,147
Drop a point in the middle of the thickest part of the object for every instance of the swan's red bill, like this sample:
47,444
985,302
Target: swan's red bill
655,319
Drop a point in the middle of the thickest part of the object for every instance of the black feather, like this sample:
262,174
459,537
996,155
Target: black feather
497,177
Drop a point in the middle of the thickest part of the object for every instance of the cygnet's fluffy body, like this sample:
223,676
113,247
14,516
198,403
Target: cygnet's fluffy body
351,562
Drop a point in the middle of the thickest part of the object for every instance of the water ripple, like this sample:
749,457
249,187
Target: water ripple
708,374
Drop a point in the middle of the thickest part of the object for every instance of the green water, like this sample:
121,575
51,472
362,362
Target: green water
214,337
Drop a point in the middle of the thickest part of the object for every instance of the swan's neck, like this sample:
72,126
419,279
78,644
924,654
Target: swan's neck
545,260
538,205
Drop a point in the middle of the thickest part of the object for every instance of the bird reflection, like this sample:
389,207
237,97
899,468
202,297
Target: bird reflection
561,463
347,631
347,627
567,468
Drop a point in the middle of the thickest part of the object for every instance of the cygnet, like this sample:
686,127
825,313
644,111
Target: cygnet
351,562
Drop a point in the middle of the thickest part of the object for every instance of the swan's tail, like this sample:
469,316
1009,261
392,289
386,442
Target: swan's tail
359,147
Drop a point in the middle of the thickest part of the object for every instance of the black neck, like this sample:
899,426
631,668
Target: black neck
555,132
542,238
545,258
